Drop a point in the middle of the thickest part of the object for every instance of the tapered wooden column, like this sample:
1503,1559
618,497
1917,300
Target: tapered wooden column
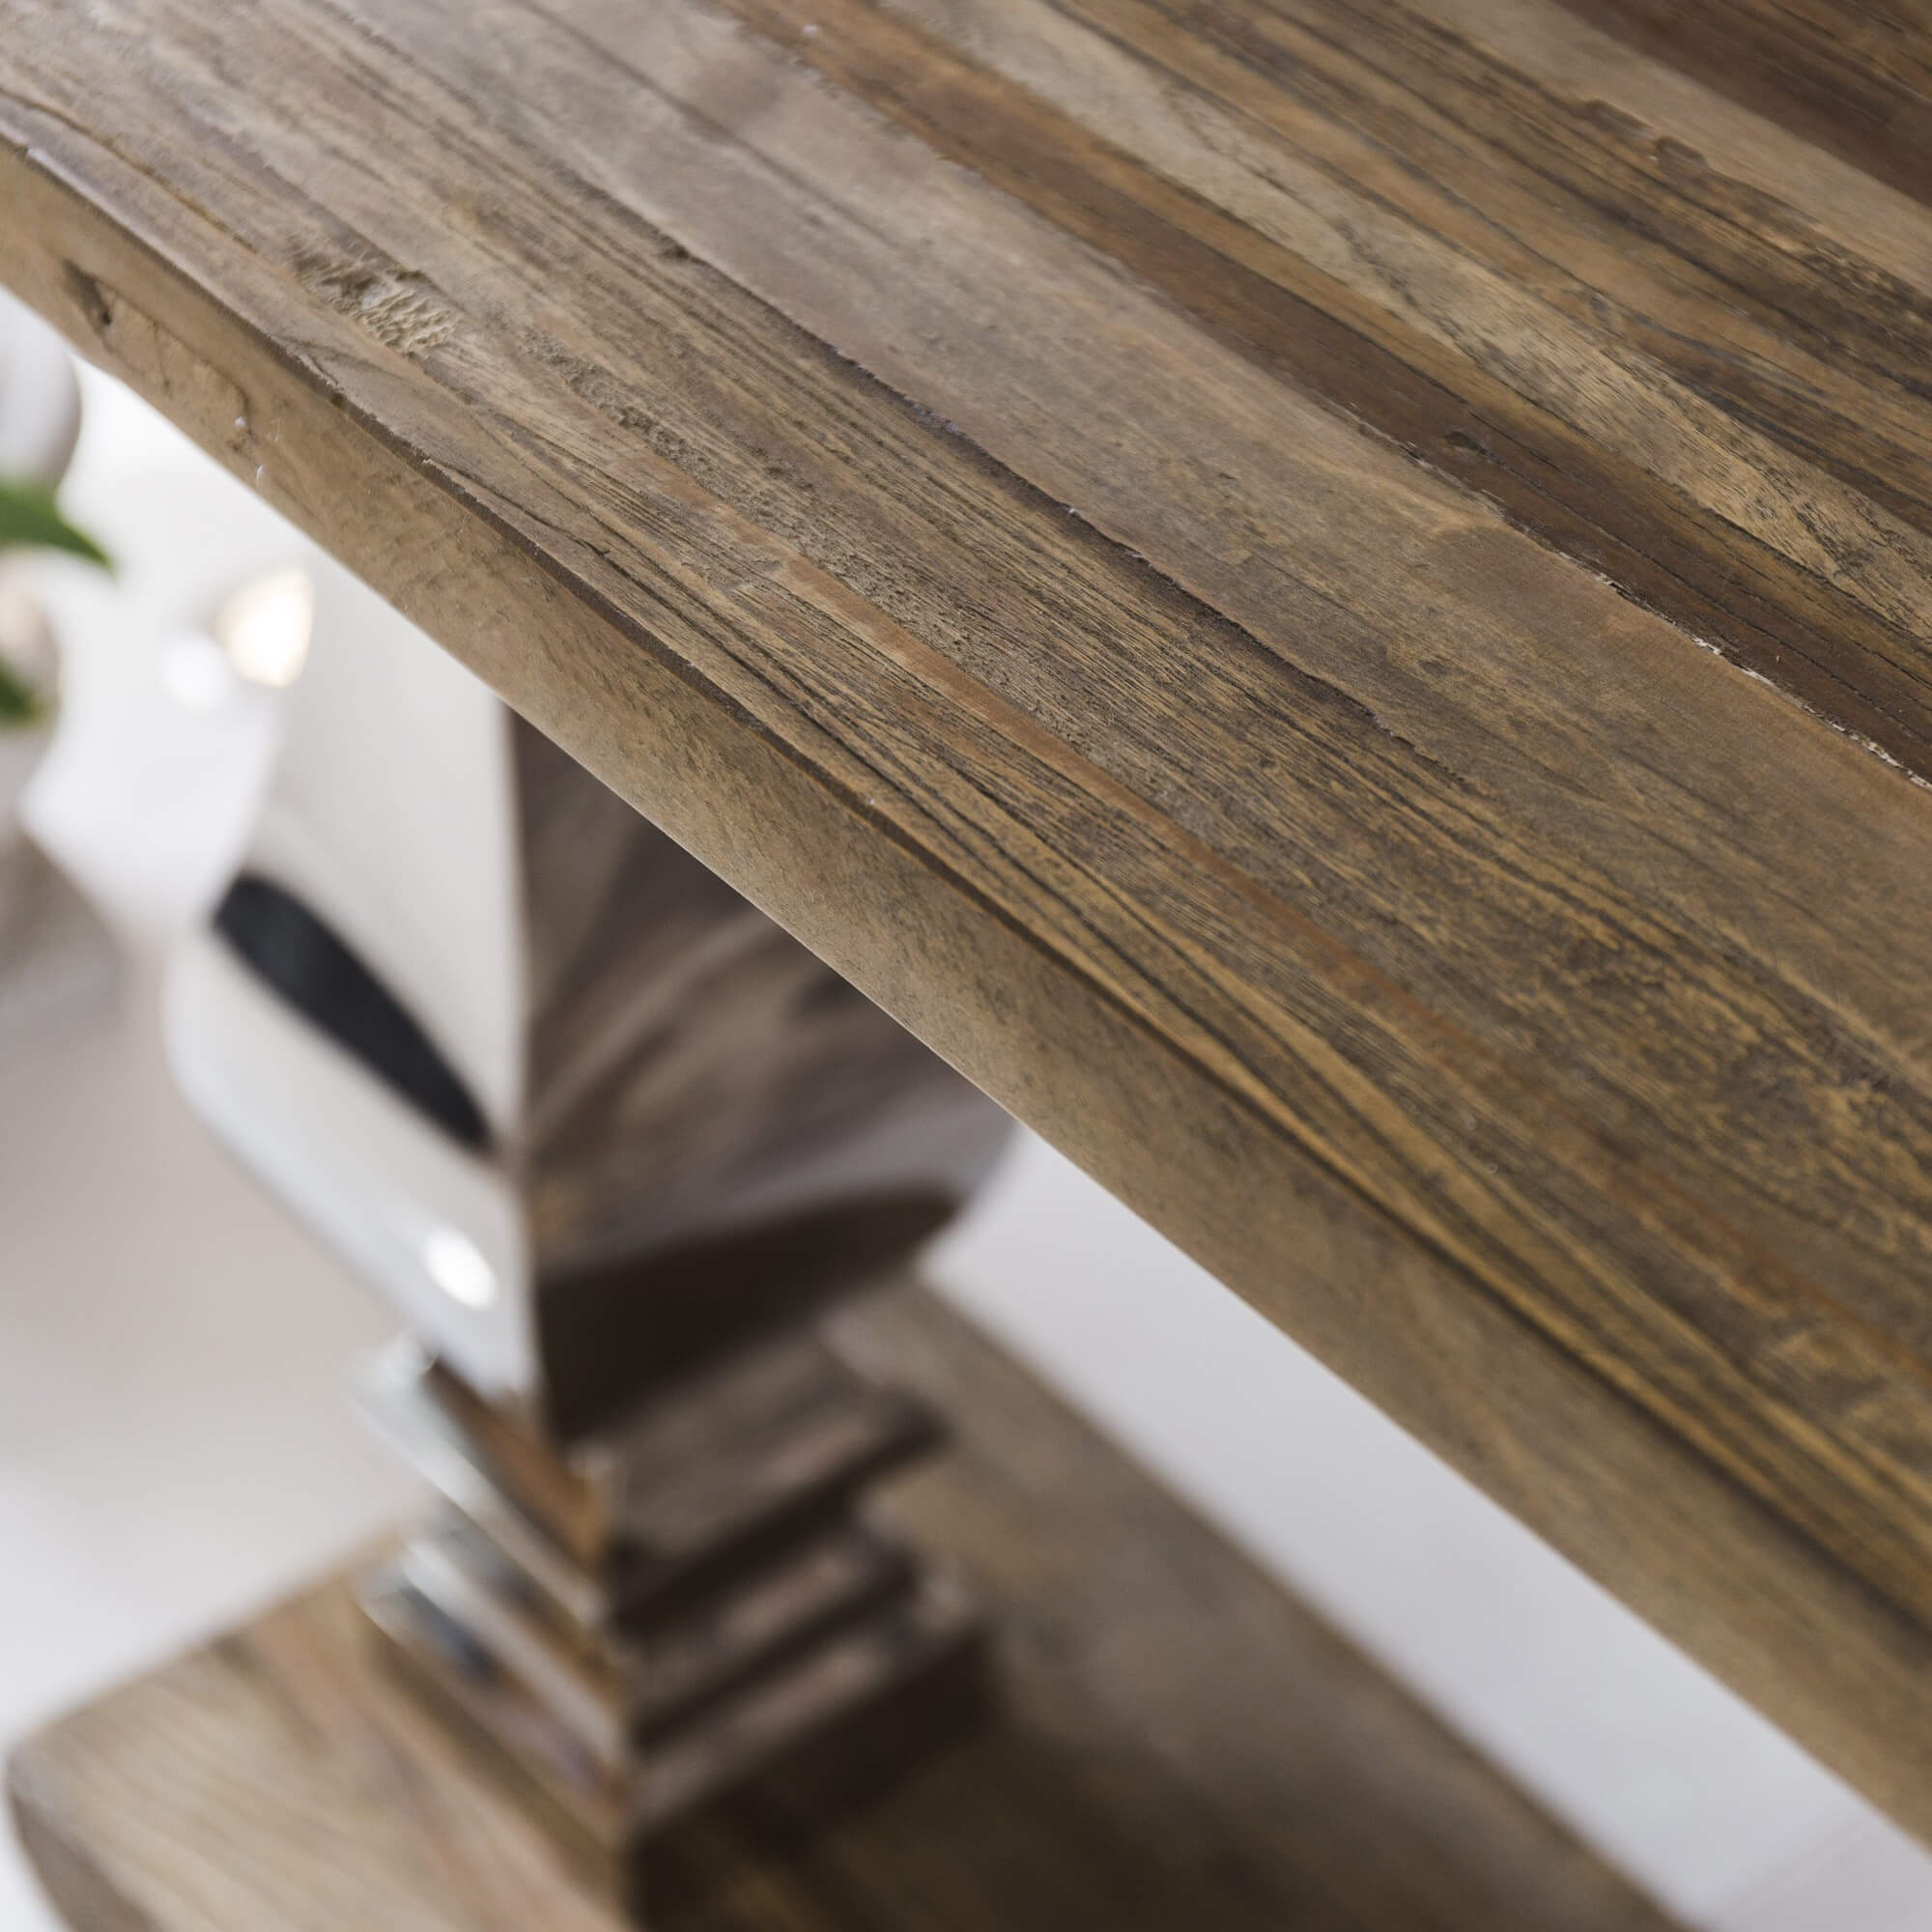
612,1142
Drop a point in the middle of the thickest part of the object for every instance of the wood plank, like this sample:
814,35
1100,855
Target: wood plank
1857,80
1178,1744
1441,224
1503,991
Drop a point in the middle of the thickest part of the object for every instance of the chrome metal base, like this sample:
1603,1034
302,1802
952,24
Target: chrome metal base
646,1624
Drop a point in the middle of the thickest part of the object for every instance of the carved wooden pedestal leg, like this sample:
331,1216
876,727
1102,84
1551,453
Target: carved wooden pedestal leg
609,1139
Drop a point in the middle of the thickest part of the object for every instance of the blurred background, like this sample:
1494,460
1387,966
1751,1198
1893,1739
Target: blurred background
176,1446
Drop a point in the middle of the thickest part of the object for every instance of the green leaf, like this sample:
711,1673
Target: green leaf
19,702
30,518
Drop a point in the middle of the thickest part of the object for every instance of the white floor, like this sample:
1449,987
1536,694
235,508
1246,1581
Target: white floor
175,1448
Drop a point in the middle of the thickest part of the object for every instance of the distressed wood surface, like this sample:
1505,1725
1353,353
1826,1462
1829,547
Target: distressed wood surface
1178,1744
1856,79
1331,600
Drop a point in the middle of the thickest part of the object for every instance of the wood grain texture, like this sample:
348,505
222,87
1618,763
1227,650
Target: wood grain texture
1178,1744
698,1090
1131,684
1558,299
1855,79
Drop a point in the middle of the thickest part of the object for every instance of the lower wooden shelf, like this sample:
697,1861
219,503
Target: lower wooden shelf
1174,1743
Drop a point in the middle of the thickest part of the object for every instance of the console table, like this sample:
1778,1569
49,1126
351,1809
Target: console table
1333,601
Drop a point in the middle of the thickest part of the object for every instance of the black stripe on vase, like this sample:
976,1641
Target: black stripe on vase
308,964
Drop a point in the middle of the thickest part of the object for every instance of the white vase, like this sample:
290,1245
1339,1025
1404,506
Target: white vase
40,400
21,748
40,421
27,652
55,957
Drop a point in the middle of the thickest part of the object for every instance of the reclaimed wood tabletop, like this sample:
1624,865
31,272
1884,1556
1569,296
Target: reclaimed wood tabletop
1331,598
